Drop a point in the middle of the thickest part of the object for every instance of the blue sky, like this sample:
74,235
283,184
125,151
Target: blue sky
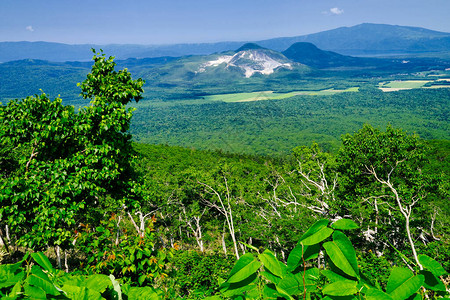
190,21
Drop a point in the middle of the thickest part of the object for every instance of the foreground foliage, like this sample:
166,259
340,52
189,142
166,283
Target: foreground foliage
263,276
35,278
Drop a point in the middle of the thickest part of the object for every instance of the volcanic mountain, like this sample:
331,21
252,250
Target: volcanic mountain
250,59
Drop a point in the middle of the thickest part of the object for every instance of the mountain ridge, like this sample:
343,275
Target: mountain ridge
361,40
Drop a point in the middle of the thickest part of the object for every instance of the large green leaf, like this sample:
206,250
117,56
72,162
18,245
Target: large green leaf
139,293
431,265
332,276
9,278
81,293
403,283
295,257
33,292
215,297
316,233
244,267
284,293
15,290
270,292
376,294
43,261
342,254
341,288
351,297
269,276
270,263
432,282
98,282
344,224
39,279
289,284
238,288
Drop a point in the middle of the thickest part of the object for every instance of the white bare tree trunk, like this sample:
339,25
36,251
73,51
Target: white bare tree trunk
405,209
224,246
66,265
58,256
225,209
142,218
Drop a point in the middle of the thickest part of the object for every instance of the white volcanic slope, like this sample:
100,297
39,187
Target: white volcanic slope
250,61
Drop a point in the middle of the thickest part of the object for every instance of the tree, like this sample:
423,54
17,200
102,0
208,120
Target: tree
62,167
383,170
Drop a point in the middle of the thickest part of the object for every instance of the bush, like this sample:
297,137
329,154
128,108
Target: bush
200,274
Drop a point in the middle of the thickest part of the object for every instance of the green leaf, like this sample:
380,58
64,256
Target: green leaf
43,261
215,297
141,279
45,285
289,285
244,267
340,298
15,290
332,276
238,288
431,265
81,293
341,288
376,294
97,282
138,293
345,224
402,283
39,279
270,292
9,279
34,292
432,282
283,292
342,254
269,276
295,257
316,233
270,262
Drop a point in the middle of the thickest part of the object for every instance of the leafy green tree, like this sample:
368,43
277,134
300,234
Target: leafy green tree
383,182
62,167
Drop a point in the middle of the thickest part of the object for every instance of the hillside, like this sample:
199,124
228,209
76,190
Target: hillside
309,54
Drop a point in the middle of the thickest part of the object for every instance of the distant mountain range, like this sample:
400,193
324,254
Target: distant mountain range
360,40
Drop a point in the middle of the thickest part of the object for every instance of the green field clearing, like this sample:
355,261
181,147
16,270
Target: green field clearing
270,95
397,85
402,85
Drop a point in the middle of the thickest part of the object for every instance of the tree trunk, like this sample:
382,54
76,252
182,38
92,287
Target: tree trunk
66,265
58,256
224,246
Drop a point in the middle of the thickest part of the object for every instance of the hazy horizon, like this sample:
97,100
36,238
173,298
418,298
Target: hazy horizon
154,22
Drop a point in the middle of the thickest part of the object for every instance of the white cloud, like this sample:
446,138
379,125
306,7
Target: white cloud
29,28
336,11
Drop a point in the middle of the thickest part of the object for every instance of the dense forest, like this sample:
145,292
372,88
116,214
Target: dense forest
86,213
